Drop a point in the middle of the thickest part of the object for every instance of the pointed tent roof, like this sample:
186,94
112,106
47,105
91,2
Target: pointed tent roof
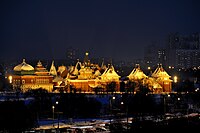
75,71
160,72
110,74
53,69
137,73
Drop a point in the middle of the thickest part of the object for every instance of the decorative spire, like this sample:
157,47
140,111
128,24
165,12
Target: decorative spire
102,64
24,61
137,66
86,59
39,63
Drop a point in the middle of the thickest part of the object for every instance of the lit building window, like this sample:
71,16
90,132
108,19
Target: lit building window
23,81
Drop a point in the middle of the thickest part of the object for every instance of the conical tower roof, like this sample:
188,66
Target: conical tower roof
160,72
76,70
110,74
53,69
136,73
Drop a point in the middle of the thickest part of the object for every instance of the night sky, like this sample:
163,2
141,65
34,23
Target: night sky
39,29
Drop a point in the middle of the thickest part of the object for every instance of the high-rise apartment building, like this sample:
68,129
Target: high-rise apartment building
155,54
184,51
72,55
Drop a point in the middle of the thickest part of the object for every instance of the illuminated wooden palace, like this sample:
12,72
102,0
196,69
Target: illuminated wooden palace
158,82
26,77
86,77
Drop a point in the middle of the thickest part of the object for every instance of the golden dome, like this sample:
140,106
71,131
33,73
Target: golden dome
23,67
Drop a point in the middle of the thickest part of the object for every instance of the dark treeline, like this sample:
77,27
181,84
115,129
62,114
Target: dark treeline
15,117
18,115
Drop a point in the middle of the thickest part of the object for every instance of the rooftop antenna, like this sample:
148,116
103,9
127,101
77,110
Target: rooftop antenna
102,64
111,61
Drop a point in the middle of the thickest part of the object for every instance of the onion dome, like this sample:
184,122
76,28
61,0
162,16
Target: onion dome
23,67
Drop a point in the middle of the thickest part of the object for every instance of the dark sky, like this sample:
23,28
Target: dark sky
107,28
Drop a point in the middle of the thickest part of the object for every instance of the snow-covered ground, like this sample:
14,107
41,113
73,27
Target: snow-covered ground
82,124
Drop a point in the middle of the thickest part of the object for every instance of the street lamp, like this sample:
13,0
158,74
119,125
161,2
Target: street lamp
53,107
58,115
126,109
53,112
110,105
175,81
110,102
165,102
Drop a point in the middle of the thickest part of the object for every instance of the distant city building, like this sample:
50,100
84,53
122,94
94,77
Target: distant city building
162,57
154,54
150,55
72,55
184,51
